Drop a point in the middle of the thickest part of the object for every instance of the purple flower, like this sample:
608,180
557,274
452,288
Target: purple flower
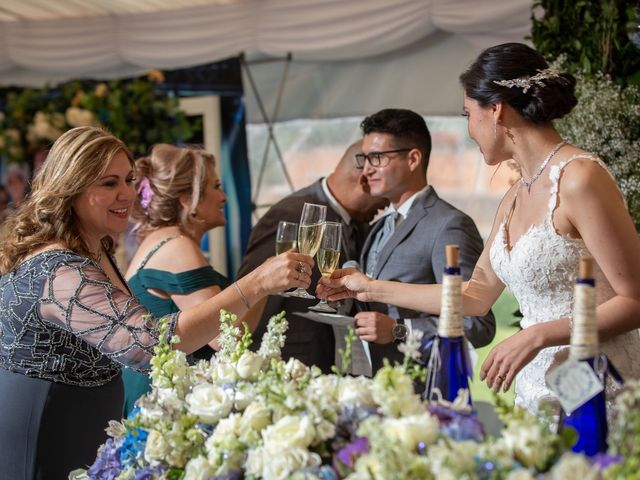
145,192
458,425
107,465
148,473
345,459
604,460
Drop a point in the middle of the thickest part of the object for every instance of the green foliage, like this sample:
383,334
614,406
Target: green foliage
345,353
606,121
592,35
590,40
134,110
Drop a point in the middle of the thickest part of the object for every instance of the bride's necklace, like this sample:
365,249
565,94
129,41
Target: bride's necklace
528,183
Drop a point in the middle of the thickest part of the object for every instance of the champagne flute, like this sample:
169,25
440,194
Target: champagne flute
328,258
309,236
286,239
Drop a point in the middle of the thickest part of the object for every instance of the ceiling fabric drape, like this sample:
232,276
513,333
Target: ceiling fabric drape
43,41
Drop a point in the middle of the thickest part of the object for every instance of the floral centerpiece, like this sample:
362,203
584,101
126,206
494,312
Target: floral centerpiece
134,110
250,415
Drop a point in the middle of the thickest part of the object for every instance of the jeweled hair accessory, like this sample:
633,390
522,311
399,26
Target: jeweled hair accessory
525,83
145,192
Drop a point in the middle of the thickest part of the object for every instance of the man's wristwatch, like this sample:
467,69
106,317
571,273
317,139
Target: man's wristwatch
399,332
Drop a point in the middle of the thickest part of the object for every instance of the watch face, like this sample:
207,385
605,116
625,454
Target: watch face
399,332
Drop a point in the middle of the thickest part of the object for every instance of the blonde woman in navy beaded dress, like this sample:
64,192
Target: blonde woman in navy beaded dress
566,206
68,321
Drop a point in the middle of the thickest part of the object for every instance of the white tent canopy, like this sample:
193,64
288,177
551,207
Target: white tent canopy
349,56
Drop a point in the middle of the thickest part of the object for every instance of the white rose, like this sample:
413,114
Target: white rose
155,448
248,366
325,430
279,465
209,402
526,443
412,430
522,474
355,391
325,386
243,396
289,431
225,372
226,428
256,416
369,467
574,466
295,369
168,398
198,468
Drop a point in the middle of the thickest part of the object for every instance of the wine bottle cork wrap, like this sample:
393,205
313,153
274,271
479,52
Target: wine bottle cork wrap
450,323
584,334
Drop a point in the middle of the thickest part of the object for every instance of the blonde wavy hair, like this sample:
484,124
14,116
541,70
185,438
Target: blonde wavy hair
171,172
77,159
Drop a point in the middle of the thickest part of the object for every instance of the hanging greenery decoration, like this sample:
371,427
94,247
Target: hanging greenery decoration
134,110
595,41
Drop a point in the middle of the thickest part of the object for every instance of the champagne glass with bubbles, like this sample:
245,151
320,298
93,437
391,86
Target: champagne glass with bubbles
328,257
286,239
309,236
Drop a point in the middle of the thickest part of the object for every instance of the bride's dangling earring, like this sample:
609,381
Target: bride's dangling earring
495,129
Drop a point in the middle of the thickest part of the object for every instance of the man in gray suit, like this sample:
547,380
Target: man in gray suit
346,194
408,244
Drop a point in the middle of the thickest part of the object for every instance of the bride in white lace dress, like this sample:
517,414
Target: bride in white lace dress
566,206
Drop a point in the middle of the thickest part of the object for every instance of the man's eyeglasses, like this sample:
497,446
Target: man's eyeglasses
377,159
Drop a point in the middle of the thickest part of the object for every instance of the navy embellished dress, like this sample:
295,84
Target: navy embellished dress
65,332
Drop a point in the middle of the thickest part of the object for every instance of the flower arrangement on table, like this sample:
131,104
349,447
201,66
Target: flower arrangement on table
134,110
250,415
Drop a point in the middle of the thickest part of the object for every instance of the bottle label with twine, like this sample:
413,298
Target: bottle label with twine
584,334
450,323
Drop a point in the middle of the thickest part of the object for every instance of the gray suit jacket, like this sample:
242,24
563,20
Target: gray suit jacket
415,253
310,342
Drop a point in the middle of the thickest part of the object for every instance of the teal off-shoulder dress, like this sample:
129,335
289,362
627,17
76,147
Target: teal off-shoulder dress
137,384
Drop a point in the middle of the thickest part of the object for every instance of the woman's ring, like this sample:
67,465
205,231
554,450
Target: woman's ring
501,378
300,268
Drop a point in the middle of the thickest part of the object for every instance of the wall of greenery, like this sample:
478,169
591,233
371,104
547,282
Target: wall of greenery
599,41
134,110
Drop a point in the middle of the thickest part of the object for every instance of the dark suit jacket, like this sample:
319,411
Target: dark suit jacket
310,342
415,253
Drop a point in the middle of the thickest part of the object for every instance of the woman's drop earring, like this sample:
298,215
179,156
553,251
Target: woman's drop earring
495,130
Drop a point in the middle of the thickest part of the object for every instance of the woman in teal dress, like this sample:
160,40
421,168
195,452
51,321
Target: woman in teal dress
179,199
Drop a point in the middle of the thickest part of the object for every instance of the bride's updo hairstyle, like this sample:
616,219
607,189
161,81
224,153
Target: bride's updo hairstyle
518,75
168,173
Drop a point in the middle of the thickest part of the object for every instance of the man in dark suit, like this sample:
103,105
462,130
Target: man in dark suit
346,195
408,244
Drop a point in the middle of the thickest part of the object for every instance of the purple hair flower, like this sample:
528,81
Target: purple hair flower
145,192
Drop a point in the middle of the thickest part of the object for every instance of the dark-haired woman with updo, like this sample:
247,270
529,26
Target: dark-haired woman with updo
565,206
180,198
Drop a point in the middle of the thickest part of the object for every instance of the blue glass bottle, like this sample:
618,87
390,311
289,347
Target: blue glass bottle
590,419
449,368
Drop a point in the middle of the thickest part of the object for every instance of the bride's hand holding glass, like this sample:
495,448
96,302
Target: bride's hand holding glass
345,283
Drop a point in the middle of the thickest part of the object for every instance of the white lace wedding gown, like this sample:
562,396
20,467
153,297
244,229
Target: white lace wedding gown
540,270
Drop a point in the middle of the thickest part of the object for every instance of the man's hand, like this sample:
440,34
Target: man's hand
374,327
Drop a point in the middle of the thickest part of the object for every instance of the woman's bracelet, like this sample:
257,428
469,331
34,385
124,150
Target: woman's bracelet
242,297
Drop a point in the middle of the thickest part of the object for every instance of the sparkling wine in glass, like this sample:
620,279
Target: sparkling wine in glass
310,235
328,258
286,239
